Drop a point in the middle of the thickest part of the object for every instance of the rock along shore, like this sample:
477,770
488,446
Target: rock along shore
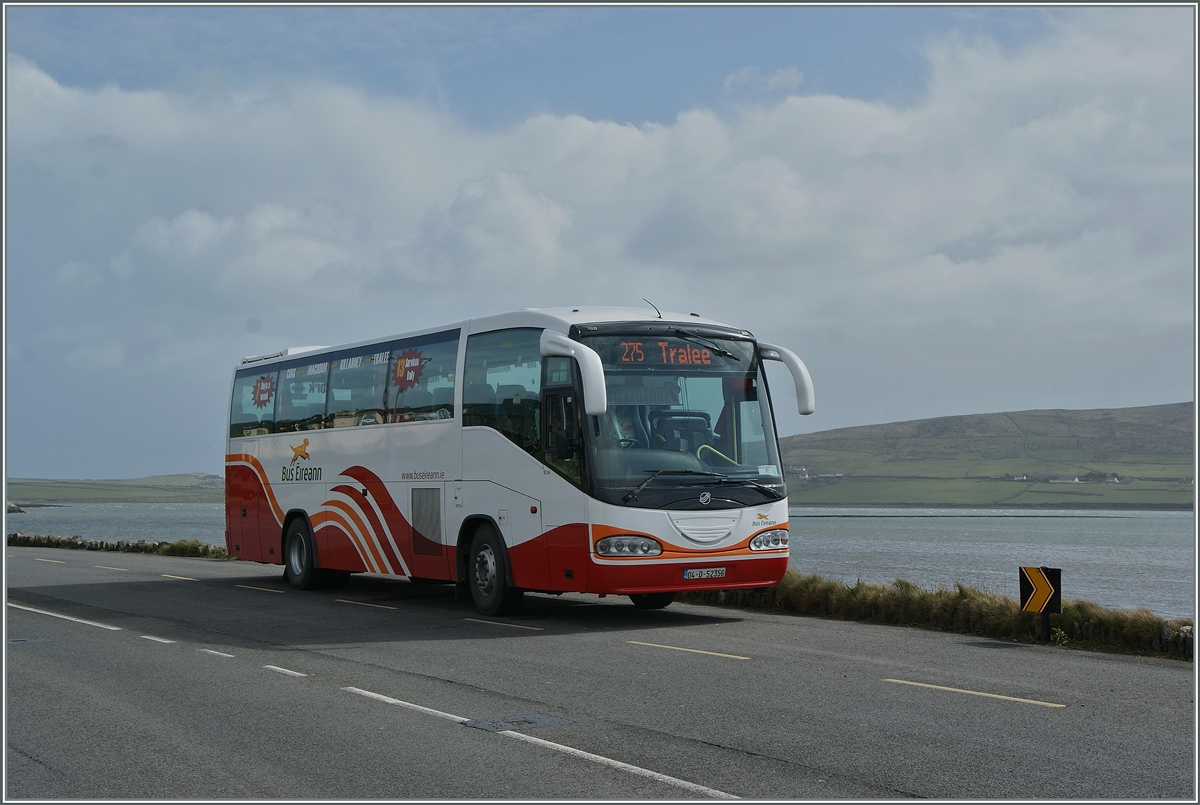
182,548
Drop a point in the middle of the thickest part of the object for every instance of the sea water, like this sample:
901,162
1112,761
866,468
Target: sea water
1118,559
110,522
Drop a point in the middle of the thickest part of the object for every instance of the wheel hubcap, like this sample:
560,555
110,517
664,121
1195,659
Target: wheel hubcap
485,570
296,557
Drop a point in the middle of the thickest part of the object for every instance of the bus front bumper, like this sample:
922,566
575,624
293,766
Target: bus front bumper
634,578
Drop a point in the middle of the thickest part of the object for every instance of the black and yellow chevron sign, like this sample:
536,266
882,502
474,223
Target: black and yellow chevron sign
1041,589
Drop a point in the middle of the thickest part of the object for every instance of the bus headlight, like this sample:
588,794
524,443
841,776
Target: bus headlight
628,545
774,540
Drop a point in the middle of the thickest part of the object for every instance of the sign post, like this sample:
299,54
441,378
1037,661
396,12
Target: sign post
1041,591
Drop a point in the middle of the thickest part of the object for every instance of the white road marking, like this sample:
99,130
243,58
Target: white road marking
690,650
218,653
712,793
283,670
181,578
511,625
55,561
363,603
106,567
389,700
260,589
156,639
65,617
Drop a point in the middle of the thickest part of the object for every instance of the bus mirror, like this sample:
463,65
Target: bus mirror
591,369
805,401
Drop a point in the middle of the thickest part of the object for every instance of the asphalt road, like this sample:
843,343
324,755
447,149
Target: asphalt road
131,676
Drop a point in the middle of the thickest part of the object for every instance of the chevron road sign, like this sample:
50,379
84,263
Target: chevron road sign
1041,589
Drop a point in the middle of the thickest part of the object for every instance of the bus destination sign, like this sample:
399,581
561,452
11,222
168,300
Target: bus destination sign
623,352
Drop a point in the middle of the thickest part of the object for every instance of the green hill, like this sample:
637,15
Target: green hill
192,487
1119,458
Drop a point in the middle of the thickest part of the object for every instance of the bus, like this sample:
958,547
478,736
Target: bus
587,450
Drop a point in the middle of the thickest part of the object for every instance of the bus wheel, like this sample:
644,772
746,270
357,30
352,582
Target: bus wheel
299,557
652,600
487,573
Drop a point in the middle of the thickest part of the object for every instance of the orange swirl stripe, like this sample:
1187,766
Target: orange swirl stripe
368,537
335,519
377,531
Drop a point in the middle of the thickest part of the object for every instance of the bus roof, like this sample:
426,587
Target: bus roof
559,319
562,318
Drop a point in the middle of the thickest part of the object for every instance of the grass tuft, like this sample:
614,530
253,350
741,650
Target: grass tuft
963,609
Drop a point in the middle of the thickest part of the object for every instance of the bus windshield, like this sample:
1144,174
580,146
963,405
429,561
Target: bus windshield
688,414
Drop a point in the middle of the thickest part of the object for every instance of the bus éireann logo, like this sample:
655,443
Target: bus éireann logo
300,451
705,498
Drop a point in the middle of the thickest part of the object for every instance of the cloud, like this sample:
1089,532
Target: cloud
1034,196
787,78
495,227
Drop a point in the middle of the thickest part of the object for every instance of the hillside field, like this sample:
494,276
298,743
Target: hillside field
193,487
1102,458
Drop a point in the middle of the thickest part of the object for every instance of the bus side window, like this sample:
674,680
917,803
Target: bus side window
301,401
356,387
253,406
421,378
503,385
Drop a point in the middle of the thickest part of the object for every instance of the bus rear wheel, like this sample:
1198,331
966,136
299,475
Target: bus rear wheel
299,557
487,575
652,600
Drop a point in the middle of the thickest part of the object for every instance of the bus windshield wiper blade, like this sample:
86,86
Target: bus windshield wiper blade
773,494
705,342
633,493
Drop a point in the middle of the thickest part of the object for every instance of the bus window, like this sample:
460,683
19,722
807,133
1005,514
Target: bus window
301,403
253,406
357,383
421,378
503,385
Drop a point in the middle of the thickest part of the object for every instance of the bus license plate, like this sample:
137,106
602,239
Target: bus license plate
704,573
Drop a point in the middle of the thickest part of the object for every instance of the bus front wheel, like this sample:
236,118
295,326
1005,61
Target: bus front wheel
487,575
652,600
299,557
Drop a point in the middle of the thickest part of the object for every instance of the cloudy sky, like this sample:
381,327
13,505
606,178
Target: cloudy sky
943,211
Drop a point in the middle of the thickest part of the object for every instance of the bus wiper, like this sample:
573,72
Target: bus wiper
704,342
633,493
772,494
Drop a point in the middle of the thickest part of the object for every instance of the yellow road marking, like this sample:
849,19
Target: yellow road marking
692,650
363,603
106,567
261,589
55,561
974,693
181,578
512,625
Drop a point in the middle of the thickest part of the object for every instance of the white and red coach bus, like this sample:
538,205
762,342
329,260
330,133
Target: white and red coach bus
590,450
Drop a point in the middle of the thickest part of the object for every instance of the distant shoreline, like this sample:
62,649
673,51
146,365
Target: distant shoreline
792,503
